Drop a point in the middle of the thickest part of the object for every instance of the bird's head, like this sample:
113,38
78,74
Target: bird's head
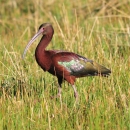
44,29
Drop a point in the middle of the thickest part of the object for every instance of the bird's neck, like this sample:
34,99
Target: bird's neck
45,40
43,43
41,55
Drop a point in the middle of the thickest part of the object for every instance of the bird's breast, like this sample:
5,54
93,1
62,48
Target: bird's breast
44,61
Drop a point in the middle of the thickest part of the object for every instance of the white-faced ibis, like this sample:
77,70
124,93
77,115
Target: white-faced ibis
62,64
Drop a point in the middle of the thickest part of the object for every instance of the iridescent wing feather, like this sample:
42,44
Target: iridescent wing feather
77,65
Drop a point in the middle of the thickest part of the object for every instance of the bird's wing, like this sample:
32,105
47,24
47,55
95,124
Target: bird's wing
77,65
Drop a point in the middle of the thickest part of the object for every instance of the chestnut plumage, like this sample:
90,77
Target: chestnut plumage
62,64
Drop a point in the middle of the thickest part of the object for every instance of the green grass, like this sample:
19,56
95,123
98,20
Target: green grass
98,30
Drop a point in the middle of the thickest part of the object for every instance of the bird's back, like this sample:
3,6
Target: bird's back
69,63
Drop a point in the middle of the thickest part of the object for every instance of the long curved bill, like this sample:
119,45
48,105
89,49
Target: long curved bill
31,41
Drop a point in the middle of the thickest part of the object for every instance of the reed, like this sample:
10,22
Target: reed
99,30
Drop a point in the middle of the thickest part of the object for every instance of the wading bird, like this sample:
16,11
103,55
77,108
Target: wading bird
62,64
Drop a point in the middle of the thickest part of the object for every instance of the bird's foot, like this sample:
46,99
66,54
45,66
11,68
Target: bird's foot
76,95
56,96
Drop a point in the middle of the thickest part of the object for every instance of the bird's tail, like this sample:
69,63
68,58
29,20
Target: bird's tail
100,70
89,68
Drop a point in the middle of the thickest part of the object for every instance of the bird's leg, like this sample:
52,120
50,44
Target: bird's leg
59,91
60,79
75,91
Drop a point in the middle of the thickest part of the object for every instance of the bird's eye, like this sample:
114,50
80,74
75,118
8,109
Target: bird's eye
43,28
